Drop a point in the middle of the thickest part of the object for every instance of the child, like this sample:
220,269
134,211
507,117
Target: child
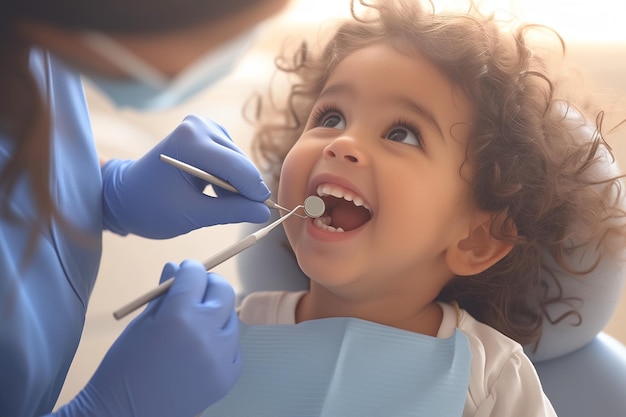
450,159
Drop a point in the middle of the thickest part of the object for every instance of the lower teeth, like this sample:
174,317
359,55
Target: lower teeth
320,223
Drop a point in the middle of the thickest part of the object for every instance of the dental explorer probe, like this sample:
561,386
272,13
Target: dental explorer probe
313,207
190,169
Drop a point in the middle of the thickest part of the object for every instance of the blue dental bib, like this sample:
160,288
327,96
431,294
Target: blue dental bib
341,367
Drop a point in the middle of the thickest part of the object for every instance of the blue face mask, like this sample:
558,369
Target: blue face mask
150,89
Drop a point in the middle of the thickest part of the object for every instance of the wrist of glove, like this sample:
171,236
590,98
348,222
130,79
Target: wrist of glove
151,198
178,357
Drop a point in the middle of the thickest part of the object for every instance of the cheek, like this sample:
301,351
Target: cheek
425,203
291,191
293,178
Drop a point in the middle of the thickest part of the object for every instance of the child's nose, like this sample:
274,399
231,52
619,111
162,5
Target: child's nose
345,149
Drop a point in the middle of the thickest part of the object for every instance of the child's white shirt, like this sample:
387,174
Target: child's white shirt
503,381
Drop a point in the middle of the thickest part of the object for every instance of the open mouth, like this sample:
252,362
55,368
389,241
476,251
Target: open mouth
345,211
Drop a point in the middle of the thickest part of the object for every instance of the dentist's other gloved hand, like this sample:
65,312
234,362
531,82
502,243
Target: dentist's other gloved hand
151,198
178,357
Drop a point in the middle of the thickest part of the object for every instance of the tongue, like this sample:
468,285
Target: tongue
347,216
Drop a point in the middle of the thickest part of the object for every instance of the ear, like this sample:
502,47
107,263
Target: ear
478,250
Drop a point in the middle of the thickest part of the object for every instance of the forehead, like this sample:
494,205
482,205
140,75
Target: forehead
381,72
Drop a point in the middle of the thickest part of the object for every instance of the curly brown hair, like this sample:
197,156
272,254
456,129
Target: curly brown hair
535,160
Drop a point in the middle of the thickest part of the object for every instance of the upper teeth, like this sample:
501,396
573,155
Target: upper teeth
339,192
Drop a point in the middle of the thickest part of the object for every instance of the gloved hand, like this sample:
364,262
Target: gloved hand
179,356
151,198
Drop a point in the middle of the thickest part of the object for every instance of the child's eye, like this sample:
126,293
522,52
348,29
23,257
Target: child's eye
404,132
333,120
328,117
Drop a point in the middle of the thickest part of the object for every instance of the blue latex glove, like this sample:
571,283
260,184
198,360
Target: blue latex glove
151,198
179,356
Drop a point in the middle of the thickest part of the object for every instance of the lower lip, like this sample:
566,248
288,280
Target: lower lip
324,235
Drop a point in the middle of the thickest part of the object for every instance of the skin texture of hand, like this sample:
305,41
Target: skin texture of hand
176,358
150,198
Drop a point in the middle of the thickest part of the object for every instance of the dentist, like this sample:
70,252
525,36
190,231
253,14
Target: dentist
181,353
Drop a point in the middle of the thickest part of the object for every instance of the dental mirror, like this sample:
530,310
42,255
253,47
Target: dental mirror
314,206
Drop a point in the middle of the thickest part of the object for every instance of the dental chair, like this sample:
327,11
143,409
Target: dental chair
582,369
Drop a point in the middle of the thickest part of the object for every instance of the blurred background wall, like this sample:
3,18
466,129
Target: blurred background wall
594,30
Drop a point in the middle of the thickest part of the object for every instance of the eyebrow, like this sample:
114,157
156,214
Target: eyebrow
348,89
337,89
421,110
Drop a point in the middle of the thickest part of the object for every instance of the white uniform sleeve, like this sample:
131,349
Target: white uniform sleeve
515,392
503,380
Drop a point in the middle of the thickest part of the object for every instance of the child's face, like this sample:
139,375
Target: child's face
381,135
